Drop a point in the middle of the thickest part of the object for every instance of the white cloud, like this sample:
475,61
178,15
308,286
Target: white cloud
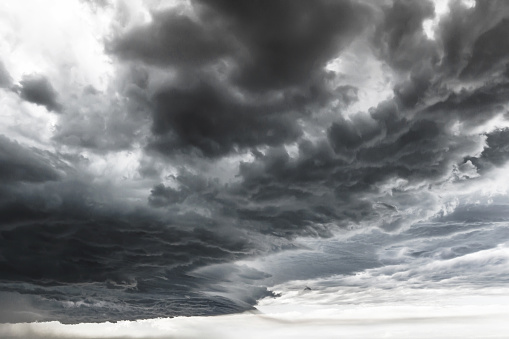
456,317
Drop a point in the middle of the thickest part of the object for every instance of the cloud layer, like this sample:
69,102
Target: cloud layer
153,156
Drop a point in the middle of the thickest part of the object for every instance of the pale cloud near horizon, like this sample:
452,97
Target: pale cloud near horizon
434,313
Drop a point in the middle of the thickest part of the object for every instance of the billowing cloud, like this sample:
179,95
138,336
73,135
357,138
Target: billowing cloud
273,80
205,119
208,155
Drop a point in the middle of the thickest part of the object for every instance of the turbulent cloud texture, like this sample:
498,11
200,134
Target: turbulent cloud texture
194,158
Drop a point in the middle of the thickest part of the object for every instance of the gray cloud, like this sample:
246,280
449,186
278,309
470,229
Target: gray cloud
26,165
100,123
286,45
37,89
489,51
205,119
280,76
447,253
5,77
247,137
495,154
161,42
466,30
400,37
81,259
307,36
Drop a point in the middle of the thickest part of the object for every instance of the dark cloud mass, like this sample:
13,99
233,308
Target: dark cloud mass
80,258
286,44
213,123
172,39
220,131
37,89
25,165
266,49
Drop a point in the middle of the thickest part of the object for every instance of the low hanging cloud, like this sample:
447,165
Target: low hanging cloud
194,141
22,164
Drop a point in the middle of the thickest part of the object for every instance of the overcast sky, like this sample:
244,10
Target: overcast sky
198,158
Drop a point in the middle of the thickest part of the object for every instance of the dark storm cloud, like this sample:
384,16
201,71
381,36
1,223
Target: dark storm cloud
37,89
496,153
337,182
287,42
468,45
467,31
323,185
471,107
107,249
334,181
350,135
489,51
82,257
267,50
227,205
400,37
468,39
173,39
189,184
21,164
245,76
274,44
215,123
308,194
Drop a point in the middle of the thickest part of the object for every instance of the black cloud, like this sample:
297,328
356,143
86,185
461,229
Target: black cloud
215,123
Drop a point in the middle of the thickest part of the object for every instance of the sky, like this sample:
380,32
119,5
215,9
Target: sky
273,168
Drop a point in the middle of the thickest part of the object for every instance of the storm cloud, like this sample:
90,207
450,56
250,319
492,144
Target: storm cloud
271,56
194,141
37,89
